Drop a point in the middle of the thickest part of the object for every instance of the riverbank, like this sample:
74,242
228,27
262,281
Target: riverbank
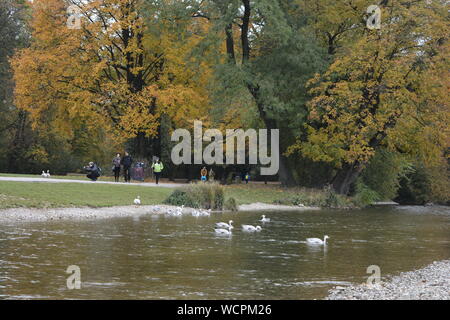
429,283
38,214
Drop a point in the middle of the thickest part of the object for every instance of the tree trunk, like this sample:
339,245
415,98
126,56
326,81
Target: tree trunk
346,177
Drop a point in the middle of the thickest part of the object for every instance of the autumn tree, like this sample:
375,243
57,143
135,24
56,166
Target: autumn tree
118,73
380,89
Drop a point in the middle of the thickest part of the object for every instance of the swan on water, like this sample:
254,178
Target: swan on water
225,225
264,219
223,231
137,201
317,240
206,213
179,210
249,228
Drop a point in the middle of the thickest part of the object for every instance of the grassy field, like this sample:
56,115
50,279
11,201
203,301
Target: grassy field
43,195
47,195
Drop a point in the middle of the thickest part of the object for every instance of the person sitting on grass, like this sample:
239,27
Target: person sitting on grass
93,171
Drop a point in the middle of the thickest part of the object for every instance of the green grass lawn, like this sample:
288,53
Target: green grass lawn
15,194
43,195
251,193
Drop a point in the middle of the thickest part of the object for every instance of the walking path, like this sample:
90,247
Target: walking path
50,180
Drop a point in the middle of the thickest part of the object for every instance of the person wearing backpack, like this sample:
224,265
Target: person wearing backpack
127,161
157,169
93,171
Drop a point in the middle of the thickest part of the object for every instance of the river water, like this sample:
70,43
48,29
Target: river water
159,257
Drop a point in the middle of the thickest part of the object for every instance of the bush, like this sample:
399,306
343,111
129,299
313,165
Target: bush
231,204
179,197
364,195
384,173
198,195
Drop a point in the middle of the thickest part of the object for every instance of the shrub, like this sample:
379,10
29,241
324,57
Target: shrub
364,195
384,173
198,195
179,197
231,204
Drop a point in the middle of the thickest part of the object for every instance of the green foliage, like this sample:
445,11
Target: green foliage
198,195
179,197
365,195
231,204
415,187
383,173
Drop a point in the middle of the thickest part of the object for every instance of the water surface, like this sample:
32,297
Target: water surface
158,257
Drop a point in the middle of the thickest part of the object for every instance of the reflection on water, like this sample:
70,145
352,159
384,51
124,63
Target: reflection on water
158,257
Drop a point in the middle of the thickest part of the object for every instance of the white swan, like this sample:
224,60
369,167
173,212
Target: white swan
179,210
264,219
205,213
317,240
137,201
48,173
224,232
249,228
225,225
43,175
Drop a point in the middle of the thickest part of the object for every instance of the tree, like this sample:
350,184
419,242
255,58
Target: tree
118,72
375,92
265,53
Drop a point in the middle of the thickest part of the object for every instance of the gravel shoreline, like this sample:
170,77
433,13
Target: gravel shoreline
87,213
429,283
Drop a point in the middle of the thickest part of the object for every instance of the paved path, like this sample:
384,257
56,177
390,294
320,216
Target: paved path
51,180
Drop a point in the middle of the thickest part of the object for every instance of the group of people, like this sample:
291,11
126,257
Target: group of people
123,164
204,175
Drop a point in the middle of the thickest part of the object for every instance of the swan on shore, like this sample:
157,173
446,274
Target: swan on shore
264,219
249,228
224,232
43,174
137,201
317,240
225,225
48,173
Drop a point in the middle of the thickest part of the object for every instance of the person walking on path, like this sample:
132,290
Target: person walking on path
157,169
203,174
116,167
127,161
211,175
246,177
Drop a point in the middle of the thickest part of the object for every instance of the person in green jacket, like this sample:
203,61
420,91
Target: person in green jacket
157,168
